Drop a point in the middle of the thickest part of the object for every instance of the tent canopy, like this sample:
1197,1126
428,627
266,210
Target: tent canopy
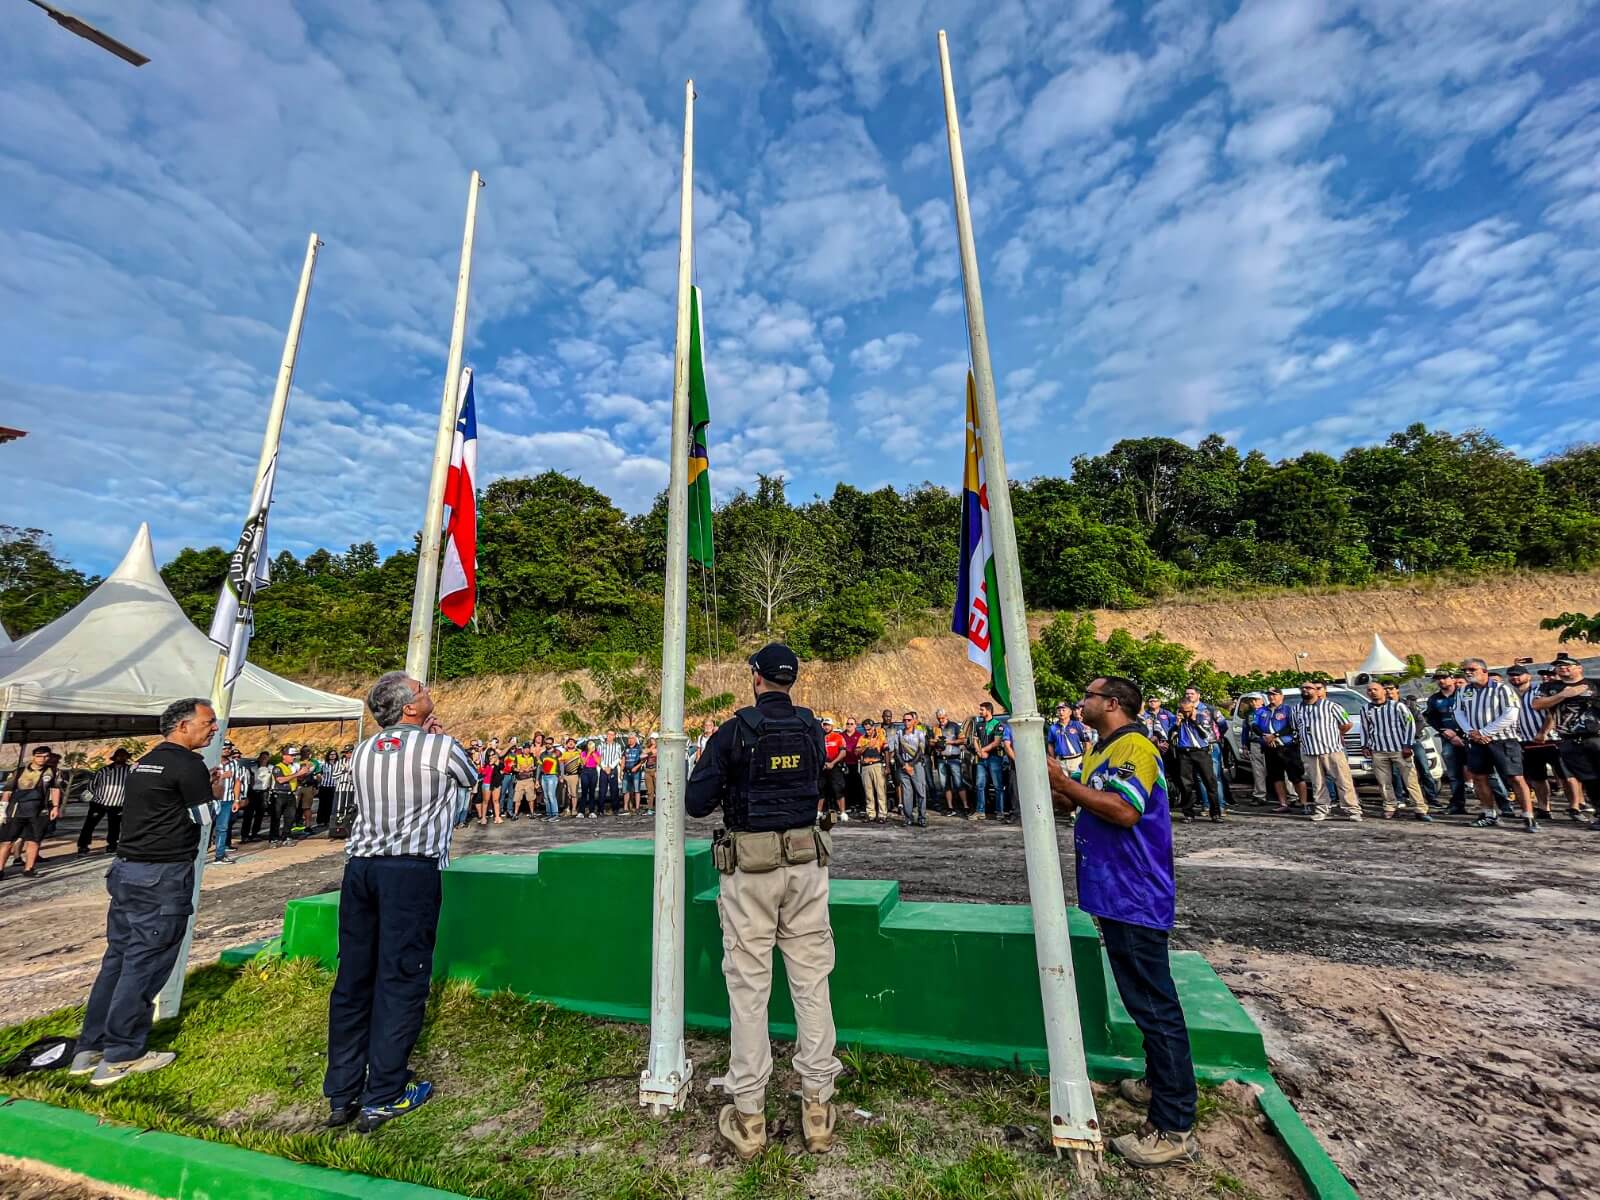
1380,660
108,667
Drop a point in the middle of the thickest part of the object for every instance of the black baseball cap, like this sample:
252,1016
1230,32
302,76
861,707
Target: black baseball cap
1518,669
776,662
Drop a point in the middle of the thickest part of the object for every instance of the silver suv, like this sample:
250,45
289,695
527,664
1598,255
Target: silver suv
1353,702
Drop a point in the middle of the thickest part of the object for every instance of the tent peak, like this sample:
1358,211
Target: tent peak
139,563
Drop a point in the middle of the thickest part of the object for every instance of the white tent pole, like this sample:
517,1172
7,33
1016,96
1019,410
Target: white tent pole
170,998
1073,1124
449,411
664,1085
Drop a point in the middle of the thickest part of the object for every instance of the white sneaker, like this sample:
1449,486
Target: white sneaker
844,817
108,1073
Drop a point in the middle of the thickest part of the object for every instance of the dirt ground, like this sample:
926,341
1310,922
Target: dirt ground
1427,991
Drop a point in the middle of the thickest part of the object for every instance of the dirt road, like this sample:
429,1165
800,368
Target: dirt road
1482,947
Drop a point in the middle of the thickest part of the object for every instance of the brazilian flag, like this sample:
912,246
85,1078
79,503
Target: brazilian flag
700,550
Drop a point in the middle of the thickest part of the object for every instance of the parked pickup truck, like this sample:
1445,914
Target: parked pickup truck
1354,703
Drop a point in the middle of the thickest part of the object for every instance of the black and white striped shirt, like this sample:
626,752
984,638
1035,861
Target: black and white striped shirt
1530,724
238,773
1316,727
110,785
339,775
1388,727
406,785
1490,710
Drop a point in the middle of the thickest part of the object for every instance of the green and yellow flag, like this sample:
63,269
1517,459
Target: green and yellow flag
700,549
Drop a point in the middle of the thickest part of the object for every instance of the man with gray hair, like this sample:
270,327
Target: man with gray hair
406,777
1487,712
152,894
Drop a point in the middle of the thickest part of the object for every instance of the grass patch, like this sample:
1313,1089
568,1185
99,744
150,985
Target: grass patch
536,1101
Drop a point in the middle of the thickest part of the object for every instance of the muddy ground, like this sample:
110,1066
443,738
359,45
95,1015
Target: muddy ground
1482,947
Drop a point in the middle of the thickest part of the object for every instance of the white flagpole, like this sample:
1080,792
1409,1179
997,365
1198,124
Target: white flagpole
664,1084
421,640
170,997
1073,1124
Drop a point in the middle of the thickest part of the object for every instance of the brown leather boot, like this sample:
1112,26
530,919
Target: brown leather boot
817,1118
746,1133
1152,1147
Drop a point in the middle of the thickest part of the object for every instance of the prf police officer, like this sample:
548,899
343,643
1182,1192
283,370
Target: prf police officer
764,768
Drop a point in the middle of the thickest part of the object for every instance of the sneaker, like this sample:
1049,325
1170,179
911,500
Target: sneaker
85,1061
747,1134
29,872
414,1097
1530,826
1424,817
1319,816
844,816
1135,1091
817,1118
1487,821
108,1073
342,1115
1152,1147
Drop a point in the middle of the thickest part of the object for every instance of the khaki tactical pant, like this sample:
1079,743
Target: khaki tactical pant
788,906
528,791
1258,772
1319,769
1382,761
872,785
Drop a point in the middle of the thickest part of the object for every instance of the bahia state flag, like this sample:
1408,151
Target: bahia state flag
977,615
249,570
700,548
458,581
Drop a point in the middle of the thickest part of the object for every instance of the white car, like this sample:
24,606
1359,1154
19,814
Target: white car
1353,702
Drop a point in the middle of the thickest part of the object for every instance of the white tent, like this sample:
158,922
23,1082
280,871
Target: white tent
5,638
109,667
1380,660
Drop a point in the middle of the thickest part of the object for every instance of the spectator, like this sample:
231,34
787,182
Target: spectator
1541,757
325,788
651,767
31,799
948,746
1319,728
1486,712
1440,713
871,757
632,775
589,780
611,773
344,793
527,789
890,729
852,764
550,776
833,749
235,783
990,762
105,801
1387,731
287,775
911,747
1192,738
572,776
1575,701
1275,723
1250,744
1419,744
261,781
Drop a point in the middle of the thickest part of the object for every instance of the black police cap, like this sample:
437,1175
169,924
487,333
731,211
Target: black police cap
776,662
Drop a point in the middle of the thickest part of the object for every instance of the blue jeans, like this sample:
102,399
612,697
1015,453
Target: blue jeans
1419,755
388,915
224,827
991,770
551,785
150,907
1138,957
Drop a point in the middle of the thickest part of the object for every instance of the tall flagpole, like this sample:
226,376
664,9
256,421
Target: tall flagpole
449,405
1073,1124
664,1085
170,997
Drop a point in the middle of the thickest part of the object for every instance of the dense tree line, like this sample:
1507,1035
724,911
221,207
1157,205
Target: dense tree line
565,574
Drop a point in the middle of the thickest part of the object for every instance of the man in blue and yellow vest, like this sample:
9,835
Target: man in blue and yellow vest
1123,839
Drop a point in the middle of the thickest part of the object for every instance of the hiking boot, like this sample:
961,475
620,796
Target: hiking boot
1152,1147
817,1119
414,1097
746,1133
1135,1091
85,1061
108,1073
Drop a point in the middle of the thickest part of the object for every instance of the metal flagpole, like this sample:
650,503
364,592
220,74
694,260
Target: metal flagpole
170,997
1073,1124
433,518
664,1084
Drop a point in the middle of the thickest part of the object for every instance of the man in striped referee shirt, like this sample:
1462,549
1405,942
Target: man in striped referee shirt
1387,731
1319,727
407,777
1487,712
106,791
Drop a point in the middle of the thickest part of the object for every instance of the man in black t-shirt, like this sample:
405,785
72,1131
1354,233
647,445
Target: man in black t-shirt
152,894
1576,701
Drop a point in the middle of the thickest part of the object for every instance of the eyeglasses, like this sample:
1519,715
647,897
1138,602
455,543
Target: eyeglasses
1098,696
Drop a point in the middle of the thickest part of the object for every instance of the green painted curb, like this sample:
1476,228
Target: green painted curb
179,1168
1318,1172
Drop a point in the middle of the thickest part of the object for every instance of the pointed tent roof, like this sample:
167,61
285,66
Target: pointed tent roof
5,638
123,654
1380,659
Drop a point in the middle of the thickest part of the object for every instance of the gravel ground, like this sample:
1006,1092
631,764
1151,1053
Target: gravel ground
1426,991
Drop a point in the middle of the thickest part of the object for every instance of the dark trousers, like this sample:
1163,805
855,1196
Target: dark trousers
1455,768
1138,957
150,907
588,789
1195,769
281,808
254,814
324,805
610,793
388,915
113,817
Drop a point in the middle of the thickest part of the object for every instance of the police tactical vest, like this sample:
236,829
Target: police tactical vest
781,769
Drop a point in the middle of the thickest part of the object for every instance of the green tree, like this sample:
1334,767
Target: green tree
36,587
842,627
1575,626
625,694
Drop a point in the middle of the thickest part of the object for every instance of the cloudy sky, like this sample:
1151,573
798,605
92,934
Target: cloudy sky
1301,223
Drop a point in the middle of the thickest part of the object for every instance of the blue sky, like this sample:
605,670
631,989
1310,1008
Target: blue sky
1302,223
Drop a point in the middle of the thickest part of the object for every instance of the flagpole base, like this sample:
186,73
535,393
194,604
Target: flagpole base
660,1097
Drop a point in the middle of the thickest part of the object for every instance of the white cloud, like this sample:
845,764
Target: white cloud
1279,131
1455,363
1086,100
882,353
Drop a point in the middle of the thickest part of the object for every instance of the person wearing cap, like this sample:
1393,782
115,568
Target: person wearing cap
910,751
29,802
890,728
1487,713
287,773
1387,731
1541,756
947,747
1250,743
870,755
1419,744
1574,702
235,781
1274,721
1439,712
105,802
833,781
763,768
151,884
